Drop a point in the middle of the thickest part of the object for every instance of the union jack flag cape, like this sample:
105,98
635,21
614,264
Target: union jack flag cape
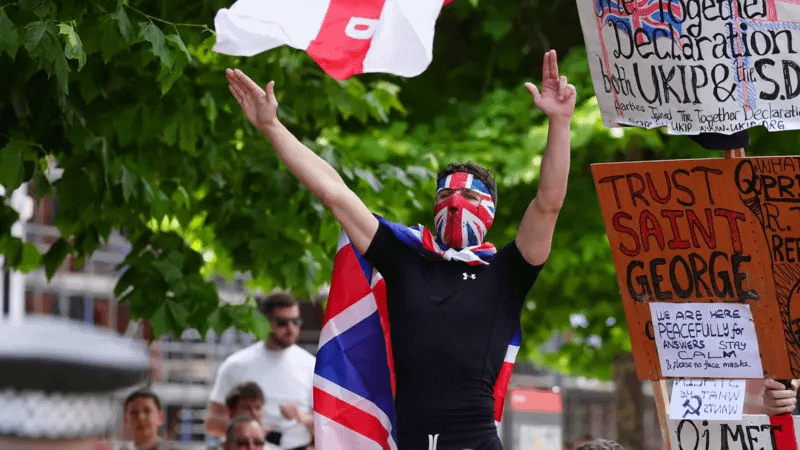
354,374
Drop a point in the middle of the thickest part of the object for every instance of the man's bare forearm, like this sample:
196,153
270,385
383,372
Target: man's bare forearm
310,169
554,170
322,179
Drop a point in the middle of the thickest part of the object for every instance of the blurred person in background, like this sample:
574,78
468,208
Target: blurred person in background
246,399
282,370
143,417
58,383
244,433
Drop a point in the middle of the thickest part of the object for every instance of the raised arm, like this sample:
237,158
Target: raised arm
557,101
260,107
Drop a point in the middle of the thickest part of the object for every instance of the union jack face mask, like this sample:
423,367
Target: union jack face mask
460,223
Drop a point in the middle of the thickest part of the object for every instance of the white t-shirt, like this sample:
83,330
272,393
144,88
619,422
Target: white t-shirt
285,376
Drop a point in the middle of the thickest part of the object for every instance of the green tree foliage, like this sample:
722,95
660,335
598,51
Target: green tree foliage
129,99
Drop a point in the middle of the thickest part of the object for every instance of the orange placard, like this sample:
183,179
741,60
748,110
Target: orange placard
707,231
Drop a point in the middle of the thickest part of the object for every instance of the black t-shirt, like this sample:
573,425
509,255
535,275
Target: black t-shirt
450,326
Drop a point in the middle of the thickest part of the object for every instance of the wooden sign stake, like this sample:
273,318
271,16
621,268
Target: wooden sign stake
662,402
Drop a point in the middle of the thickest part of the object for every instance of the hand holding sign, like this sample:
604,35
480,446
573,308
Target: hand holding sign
779,399
557,97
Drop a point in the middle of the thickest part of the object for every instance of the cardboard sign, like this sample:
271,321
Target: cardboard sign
706,340
753,432
695,65
708,231
707,399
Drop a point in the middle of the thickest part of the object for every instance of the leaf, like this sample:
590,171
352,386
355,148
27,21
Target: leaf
111,42
170,131
126,124
11,247
169,75
42,44
260,323
73,48
30,258
187,133
123,23
62,70
9,36
155,36
54,257
11,166
497,27
210,106
178,42
219,321
34,32
128,183
162,322
179,316
41,8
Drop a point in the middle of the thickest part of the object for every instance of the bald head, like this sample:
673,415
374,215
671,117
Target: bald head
244,433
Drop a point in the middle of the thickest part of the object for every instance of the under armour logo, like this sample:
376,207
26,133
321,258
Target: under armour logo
468,275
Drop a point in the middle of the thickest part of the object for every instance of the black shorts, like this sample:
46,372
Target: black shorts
479,440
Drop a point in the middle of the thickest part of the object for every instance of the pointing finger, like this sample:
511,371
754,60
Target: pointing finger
553,65
546,66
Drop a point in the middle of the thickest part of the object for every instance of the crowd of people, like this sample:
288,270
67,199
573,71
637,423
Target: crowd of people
261,397
454,302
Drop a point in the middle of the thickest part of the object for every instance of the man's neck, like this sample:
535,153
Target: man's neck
147,444
273,346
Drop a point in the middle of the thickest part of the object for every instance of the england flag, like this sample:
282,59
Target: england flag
345,37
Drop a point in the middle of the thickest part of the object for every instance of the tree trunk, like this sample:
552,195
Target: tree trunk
628,403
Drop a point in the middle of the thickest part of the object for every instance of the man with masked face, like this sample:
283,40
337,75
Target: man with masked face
454,300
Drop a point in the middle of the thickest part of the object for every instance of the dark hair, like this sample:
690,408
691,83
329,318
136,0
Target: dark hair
600,444
235,422
481,172
275,300
141,393
243,391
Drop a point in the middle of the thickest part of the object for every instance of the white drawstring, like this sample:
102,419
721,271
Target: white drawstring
433,441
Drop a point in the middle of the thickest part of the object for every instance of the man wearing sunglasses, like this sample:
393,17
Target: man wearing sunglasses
244,433
282,370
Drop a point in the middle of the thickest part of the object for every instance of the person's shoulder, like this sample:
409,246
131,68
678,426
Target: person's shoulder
301,355
246,354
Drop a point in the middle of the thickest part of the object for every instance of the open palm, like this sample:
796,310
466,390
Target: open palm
259,105
557,97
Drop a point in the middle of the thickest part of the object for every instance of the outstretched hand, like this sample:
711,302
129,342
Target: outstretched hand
557,97
259,105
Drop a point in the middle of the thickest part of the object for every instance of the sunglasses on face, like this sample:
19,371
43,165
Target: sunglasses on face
284,321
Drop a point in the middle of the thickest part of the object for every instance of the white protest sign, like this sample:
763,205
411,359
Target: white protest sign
753,432
706,340
707,399
695,65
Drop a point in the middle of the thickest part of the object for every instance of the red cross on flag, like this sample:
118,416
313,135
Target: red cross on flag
345,37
